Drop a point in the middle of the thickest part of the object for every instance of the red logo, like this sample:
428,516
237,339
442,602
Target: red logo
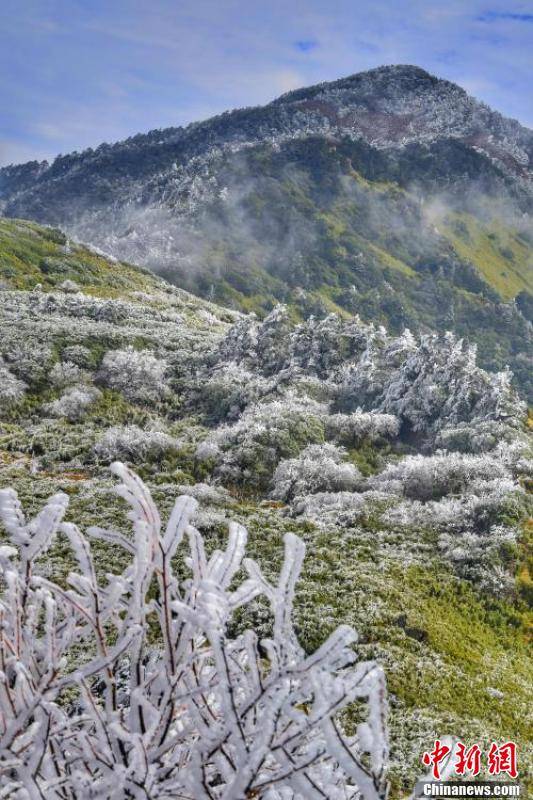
467,761
500,758
439,753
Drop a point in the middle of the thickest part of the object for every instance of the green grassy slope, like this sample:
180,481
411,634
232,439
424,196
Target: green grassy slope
501,254
32,255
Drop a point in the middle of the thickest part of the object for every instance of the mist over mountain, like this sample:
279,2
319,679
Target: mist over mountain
390,193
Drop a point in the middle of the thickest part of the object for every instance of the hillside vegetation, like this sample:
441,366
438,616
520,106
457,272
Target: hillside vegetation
403,465
32,256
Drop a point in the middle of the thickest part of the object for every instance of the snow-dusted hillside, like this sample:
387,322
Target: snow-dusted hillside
391,194
402,464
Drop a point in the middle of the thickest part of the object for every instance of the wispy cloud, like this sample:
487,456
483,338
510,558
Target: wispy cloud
493,16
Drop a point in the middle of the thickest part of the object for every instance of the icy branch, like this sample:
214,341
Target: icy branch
130,686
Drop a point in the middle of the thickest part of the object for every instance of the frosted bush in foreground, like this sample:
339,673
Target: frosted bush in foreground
129,686
250,450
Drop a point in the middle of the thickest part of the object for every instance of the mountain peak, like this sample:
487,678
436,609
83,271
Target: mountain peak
406,75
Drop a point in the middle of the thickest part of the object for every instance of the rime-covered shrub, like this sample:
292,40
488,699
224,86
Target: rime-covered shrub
476,437
240,343
318,468
11,388
468,511
321,346
271,340
429,384
206,494
364,380
73,403
69,286
30,360
249,451
225,392
138,374
474,533
432,477
315,346
352,429
131,443
483,559
65,373
129,685
79,355
339,509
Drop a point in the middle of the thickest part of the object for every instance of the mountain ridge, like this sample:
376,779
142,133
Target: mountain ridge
391,193
403,72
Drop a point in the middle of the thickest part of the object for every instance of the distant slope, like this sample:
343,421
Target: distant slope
391,193
34,256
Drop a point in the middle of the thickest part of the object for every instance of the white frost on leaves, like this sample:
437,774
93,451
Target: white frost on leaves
65,373
318,468
11,388
92,708
73,403
134,444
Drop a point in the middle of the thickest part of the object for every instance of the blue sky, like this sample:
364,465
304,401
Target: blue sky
74,73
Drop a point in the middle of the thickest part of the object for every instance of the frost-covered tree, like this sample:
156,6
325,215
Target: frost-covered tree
316,346
129,686
483,559
318,468
338,509
476,437
352,429
273,336
28,358
432,477
429,385
223,393
78,354
321,346
138,374
240,342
